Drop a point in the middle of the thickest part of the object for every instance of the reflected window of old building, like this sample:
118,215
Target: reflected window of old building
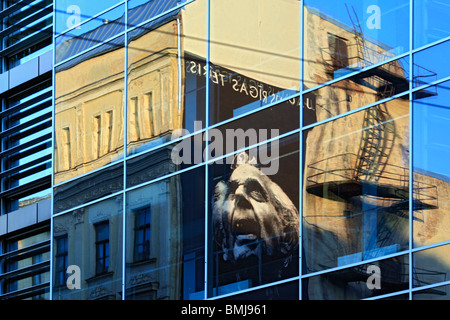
165,238
97,129
338,51
66,149
61,260
109,129
142,233
101,247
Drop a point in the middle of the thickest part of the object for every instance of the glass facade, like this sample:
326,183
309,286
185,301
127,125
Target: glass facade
273,149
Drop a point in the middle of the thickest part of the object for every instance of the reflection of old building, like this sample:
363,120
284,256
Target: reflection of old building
350,191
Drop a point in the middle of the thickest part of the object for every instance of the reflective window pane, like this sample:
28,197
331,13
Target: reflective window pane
360,282
285,291
430,65
345,36
355,197
254,217
165,239
140,11
90,34
431,266
436,293
89,109
164,96
431,184
94,252
431,21
362,89
181,154
70,13
255,128
88,188
255,55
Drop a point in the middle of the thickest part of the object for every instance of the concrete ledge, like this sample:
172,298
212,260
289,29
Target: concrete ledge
25,217
45,62
24,72
22,218
44,208
3,224
4,81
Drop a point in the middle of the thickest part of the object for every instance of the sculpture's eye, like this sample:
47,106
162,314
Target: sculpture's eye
232,187
256,191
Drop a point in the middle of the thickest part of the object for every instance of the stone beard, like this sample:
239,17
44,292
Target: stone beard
255,222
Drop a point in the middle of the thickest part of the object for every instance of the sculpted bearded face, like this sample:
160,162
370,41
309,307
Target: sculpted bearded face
252,213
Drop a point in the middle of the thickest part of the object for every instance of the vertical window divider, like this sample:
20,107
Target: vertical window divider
208,48
411,151
300,148
53,155
124,198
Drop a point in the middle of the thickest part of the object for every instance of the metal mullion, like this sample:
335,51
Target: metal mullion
125,148
206,193
300,165
411,151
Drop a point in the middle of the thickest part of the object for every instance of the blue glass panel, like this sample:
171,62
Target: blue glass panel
70,13
431,22
431,154
344,36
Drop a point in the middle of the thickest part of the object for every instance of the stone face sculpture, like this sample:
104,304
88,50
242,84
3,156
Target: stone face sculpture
254,218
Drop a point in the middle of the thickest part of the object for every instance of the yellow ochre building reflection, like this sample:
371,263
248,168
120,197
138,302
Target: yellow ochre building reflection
344,200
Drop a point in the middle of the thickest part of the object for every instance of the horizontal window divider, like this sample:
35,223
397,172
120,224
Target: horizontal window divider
89,203
430,246
373,104
26,271
430,286
90,18
167,176
355,73
435,83
45,104
28,188
118,162
387,295
45,243
432,44
33,290
28,131
44,99
28,20
27,125
41,166
264,107
177,7
355,264
27,42
262,143
31,151
25,145
15,7
24,166
99,44
263,286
